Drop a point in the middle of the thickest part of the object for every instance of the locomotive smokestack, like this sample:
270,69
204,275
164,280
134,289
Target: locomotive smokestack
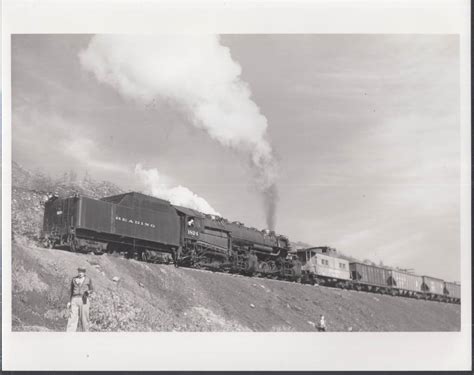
198,74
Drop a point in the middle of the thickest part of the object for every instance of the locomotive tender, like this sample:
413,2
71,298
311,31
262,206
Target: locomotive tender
154,230
126,222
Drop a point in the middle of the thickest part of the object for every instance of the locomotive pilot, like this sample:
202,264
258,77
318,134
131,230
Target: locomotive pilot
81,290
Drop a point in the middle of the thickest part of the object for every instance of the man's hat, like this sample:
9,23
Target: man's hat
81,269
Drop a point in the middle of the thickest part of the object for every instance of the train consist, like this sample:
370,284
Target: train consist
153,230
322,265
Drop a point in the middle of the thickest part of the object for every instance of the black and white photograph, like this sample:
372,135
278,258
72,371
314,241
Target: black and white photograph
236,182
191,182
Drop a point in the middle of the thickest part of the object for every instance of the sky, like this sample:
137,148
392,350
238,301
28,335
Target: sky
364,131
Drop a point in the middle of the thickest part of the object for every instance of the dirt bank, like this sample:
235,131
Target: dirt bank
152,297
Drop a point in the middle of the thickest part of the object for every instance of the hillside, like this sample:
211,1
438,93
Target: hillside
152,297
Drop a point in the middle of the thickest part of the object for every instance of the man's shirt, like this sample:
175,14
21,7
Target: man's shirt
81,285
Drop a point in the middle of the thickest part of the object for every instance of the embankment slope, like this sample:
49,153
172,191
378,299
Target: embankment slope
153,297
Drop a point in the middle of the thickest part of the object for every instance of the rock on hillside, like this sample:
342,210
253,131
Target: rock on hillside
137,296
29,194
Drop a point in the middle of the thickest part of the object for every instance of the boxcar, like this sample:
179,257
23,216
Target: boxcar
433,286
369,277
125,222
322,265
452,291
405,282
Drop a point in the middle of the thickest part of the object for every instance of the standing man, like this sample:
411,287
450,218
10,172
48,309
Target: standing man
81,290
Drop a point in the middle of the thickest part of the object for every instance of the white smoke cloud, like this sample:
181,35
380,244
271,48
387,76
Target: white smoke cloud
198,73
159,186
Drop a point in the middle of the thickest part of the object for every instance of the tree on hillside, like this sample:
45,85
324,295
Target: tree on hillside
42,182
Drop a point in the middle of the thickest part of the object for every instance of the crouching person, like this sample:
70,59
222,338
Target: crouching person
322,324
81,290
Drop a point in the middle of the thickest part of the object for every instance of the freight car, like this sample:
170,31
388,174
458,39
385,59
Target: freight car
452,292
405,284
370,278
433,288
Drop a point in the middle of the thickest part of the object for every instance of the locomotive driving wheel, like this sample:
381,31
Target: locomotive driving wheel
264,268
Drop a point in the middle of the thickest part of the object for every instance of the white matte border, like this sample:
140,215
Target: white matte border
238,351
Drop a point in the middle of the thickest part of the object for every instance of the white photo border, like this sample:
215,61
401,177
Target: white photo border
238,351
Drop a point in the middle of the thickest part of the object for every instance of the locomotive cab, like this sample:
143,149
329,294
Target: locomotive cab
206,242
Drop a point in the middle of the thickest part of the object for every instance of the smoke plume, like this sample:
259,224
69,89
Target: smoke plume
160,186
198,73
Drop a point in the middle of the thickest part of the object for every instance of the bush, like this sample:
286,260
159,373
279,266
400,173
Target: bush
111,312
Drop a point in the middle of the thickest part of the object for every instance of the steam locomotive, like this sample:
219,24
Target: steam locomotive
153,230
